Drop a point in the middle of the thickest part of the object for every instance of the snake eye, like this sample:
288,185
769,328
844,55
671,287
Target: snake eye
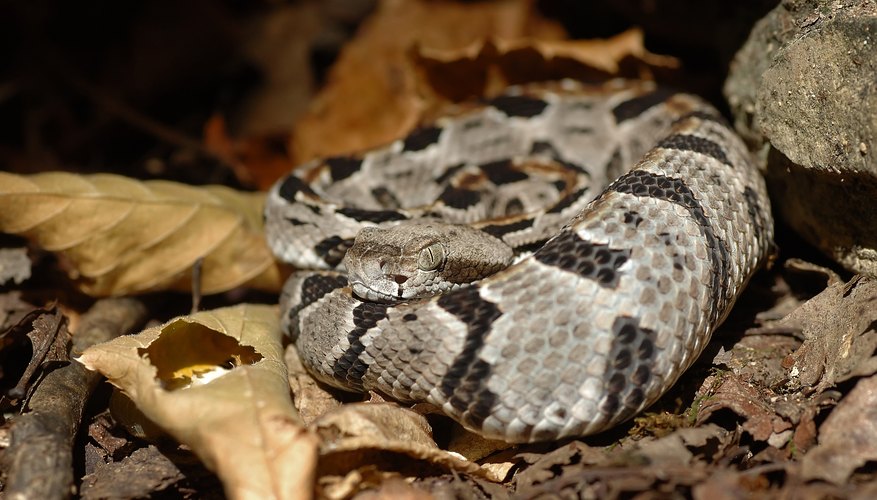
431,257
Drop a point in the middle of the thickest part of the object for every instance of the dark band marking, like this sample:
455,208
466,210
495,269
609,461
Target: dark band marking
421,138
540,147
636,106
342,167
376,216
500,230
695,144
502,172
332,249
703,116
480,399
472,124
514,207
567,201
314,288
590,260
519,105
459,198
578,130
291,186
349,367
448,173
669,241
544,147
615,167
296,222
646,184
756,217
633,218
385,198
530,247
574,166
464,382
629,370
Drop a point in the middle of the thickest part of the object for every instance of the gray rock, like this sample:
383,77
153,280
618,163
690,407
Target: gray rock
803,91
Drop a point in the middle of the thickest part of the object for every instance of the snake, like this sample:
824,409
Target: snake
539,265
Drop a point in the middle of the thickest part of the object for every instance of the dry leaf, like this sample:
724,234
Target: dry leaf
146,472
216,382
363,436
14,265
848,438
310,398
256,160
840,330
487,67
121,236
371,96
746,400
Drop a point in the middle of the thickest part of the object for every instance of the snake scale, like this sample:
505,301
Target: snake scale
633,215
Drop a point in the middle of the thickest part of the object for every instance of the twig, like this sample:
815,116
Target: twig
40,454
197,274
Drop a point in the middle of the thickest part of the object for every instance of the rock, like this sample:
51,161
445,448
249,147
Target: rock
803,91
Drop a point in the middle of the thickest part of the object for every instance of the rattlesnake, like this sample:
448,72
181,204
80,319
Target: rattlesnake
609,299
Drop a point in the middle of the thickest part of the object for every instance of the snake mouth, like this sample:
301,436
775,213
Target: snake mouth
365,292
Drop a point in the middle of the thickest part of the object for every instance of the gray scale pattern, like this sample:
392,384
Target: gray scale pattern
594,326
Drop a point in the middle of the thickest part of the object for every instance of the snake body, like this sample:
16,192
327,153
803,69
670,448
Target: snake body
612,296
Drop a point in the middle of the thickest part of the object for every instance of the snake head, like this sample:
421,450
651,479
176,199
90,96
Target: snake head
420,259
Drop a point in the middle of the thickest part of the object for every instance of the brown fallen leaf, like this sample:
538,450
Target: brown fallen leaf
761,420
840,331
121,236
144,473
485,68
847,438
366,439
577,470
371,96
310,398
12,309
216,382
410,59
683,446
729,484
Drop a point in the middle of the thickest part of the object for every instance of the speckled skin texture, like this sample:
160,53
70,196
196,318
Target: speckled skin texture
592,327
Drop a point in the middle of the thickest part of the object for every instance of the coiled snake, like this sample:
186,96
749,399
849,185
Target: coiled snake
609,299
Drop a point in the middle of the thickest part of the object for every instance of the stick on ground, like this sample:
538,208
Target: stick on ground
39,458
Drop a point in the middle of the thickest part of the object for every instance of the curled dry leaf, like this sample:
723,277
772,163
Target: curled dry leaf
840,331
848,438
140,475
122,236
372,97
729,392
310,398
487,67
412,58
361,436
659,466
216,382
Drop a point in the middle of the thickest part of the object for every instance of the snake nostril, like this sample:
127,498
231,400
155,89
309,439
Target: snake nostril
400,279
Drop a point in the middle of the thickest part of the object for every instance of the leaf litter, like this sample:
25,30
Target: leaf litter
780,404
